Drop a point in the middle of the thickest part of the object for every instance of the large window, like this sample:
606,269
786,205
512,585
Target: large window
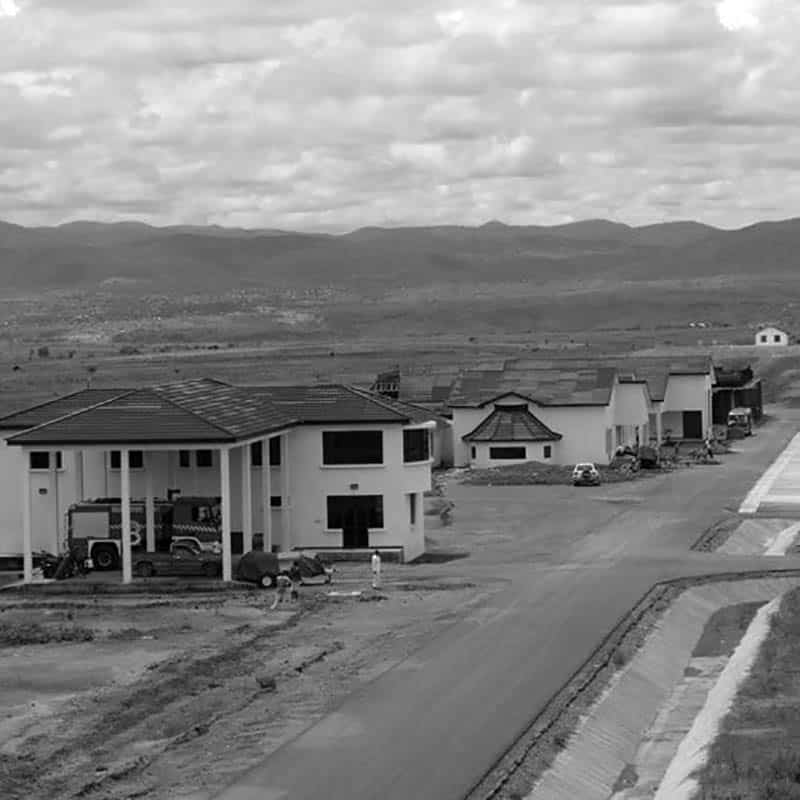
135,459
40,459
257,453
356,510
510,453
204,458
352,447
416,445
184,459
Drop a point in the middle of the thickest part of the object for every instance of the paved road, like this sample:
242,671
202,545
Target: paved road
432,726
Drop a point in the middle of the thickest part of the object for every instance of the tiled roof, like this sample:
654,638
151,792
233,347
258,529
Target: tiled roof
512,424
52,409
415,413
330,403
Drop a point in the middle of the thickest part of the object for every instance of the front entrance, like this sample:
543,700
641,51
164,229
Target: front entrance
692,424
355,529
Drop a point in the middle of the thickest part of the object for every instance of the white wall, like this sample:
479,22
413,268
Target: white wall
686,393
393,480
534,451
771,333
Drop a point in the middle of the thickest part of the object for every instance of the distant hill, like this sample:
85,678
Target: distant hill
190,257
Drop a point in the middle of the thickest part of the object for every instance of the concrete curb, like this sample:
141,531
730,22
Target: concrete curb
610,734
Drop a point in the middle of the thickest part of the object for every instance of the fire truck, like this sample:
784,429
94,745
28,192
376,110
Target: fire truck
94,527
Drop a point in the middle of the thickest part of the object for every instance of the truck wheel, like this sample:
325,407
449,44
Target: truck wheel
104,557
267,581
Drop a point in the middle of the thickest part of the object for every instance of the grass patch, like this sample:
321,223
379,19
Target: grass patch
724,630
537,473
15,634
757,754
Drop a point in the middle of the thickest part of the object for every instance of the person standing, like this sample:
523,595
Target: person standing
376,569
283,584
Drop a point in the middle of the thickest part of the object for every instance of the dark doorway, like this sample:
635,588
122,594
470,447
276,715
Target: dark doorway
355,515
692,424
355,532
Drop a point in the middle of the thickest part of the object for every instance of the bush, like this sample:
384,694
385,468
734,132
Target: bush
16,634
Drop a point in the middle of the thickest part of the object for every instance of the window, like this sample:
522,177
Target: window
416,445
184,459
204,458
776,338
352,447
256,454
40,459
507,453
135,459
548,451
276,501
275,452
473,452
344,509
412,509
763,337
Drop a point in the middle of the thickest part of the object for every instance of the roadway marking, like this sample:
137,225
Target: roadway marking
788,491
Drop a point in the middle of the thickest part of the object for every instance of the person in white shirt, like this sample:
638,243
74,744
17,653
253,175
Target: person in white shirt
376,570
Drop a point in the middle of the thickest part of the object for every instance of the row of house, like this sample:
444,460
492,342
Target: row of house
562,409
306,467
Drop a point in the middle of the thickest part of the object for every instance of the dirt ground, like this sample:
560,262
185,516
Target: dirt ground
174,696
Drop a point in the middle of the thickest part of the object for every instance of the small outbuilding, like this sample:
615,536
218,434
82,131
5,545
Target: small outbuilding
771,337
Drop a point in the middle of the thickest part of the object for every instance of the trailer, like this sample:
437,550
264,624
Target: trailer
94,527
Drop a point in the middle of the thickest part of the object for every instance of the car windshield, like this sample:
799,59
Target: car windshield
585,466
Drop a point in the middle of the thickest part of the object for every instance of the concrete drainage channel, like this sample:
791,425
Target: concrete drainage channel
627,738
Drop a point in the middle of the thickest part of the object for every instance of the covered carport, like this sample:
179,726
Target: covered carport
188,416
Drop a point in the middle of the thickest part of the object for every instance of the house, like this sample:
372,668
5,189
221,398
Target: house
307,467
736,386
771,337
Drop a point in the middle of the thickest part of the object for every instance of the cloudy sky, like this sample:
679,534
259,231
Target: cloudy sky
332,114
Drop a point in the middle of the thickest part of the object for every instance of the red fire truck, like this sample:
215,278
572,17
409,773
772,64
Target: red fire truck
94,527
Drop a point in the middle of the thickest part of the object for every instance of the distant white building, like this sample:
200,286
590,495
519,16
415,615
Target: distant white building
771,337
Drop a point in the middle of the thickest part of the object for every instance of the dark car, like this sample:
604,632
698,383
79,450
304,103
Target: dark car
264,568
182,559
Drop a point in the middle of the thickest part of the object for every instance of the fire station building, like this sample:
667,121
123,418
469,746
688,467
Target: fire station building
300,467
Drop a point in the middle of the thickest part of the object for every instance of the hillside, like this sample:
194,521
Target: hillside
83,254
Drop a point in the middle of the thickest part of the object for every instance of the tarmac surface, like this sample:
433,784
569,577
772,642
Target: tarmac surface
575,564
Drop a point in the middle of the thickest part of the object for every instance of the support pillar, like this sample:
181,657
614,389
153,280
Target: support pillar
125,502
659,429
247,500
266,495
149,503
225,494
27,546
286,496
56,500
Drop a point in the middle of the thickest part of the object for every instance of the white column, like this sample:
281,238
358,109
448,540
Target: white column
125,502
27,553
247,501
79,475
286,500
659,430
149,504
56,499
225,493
266,495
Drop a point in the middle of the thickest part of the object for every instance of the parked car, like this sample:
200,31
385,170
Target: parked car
183,558
264,568
585,474
741,418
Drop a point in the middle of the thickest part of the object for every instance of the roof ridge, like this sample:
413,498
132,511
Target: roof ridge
125,393
180,406
367,395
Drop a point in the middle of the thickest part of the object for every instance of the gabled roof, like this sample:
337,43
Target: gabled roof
512,424
52,409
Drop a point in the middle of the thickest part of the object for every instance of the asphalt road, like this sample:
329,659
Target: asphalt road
433,725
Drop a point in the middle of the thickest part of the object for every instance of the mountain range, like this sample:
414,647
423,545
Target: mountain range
374,259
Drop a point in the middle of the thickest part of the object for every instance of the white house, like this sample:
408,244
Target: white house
771,337
306,467
566,410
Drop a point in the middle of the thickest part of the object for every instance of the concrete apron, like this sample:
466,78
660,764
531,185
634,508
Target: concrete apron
625,721
769,537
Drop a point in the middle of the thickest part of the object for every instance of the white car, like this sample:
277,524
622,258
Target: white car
585,474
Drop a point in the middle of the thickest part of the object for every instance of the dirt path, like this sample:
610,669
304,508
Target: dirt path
189,705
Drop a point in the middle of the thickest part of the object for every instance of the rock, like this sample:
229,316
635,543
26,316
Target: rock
267,682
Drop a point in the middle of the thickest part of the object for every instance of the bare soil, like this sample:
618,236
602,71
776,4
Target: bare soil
176,696
758,753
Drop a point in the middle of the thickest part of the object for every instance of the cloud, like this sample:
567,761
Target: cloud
329,116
